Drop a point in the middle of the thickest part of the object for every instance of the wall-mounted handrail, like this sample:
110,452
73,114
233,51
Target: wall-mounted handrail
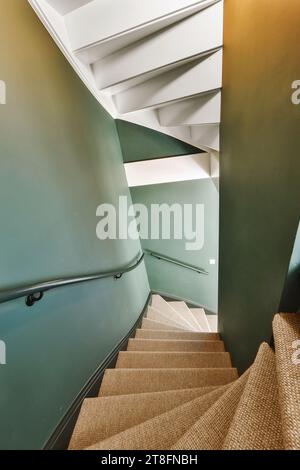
35,292
177,262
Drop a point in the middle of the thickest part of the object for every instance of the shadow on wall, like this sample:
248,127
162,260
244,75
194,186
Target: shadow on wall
290,300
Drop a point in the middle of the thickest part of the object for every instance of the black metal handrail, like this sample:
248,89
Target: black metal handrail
177,262
35,292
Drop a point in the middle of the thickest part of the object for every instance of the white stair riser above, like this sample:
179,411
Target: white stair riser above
185,81
151,67
120,29
197,34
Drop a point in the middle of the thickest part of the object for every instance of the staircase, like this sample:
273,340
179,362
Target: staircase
175,388
157,64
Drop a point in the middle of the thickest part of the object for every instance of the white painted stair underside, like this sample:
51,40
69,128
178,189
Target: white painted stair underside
146,62
119,29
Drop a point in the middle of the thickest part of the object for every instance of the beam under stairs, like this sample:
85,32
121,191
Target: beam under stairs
168,170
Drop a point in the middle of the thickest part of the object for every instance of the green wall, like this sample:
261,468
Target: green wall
60,158
140,143
260,168
174,280
290,300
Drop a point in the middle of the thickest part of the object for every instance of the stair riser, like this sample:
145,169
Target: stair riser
179,345
148,360
155,325
175,335
102,418
181,83
96,23
123,382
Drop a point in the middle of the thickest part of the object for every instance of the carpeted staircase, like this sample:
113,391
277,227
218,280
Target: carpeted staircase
175,388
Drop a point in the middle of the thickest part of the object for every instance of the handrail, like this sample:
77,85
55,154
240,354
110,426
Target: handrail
177,262
40,288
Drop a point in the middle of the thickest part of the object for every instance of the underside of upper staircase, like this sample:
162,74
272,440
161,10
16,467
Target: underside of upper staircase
157,64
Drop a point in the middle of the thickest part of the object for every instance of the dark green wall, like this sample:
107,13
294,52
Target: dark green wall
140,143
290,300
60,158
260,168
174,280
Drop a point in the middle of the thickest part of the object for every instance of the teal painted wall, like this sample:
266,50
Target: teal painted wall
174,280
260,168
60,158
140,143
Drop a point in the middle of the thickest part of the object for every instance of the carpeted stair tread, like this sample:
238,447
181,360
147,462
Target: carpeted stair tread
201,318
153,314
156,325
209,432
175,345
101,418
168,360
257,421
175,335
175,389
128,381
184,310
286,328
161,432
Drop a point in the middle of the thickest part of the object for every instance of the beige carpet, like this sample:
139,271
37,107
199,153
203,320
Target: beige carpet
286,329
177,389
257,421
125,381
104,417
209,432
170,360
177,335
158,325
175,345
162,431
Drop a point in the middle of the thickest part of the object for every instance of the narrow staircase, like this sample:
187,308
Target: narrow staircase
175,388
